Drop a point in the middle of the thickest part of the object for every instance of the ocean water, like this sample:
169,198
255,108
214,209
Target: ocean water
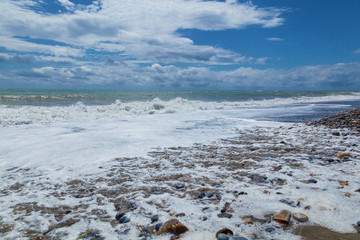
70,134
94,126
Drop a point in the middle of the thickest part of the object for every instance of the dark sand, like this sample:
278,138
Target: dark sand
321,233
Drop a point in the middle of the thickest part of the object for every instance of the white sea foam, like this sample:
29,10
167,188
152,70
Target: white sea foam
19,115
44,147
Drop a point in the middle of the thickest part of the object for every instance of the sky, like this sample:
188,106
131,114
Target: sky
180,44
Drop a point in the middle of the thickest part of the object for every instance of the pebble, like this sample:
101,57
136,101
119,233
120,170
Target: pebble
225,215
270,230
300,217
342,155
154,218
288,202
179,185
312,180
158,226
124,219
224,231
237,238
283,217
173,226
223,236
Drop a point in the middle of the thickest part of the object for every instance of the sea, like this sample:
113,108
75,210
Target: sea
103,124
69,134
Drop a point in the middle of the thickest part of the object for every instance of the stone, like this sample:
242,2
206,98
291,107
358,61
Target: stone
357,227
312,180
343,183
270,230
358,223
173,226
179,185
154,218
224,215
180,214
222,236
347,194
288,202
172,213
237,238
300,217
283,217
158,226
124,219
224,231
342,155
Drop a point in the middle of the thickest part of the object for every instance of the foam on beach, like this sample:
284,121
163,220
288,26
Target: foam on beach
69,178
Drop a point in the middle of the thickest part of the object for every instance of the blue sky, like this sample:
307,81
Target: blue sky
180,44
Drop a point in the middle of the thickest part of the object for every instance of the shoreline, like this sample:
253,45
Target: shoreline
240,183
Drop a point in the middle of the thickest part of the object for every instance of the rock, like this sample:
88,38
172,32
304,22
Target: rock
223,236
225,231
358,223
343,183
288,202
347,194
124,219
119,215
283,217
179,185
312,180
270,230
180,214
154,218
224,215
158,226
237,238
357,227
336,133
342,155
172,213
300,217
173,226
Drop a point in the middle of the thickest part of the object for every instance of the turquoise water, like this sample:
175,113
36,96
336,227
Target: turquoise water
105,97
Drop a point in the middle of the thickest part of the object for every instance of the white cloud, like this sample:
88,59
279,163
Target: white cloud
319,77
142,30
15,44
357,51
274,39
67,4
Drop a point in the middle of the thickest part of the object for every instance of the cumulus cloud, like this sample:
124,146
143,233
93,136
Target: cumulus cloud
340,76
136,29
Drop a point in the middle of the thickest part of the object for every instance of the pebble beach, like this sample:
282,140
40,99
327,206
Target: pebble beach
292,181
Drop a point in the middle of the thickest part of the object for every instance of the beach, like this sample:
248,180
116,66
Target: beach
100,176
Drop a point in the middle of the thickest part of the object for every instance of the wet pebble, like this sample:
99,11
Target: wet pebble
154,218
224,215
124,219
179,185
288,202
270,230
158,226
312,180
283,217
237,238
223,236
300,217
